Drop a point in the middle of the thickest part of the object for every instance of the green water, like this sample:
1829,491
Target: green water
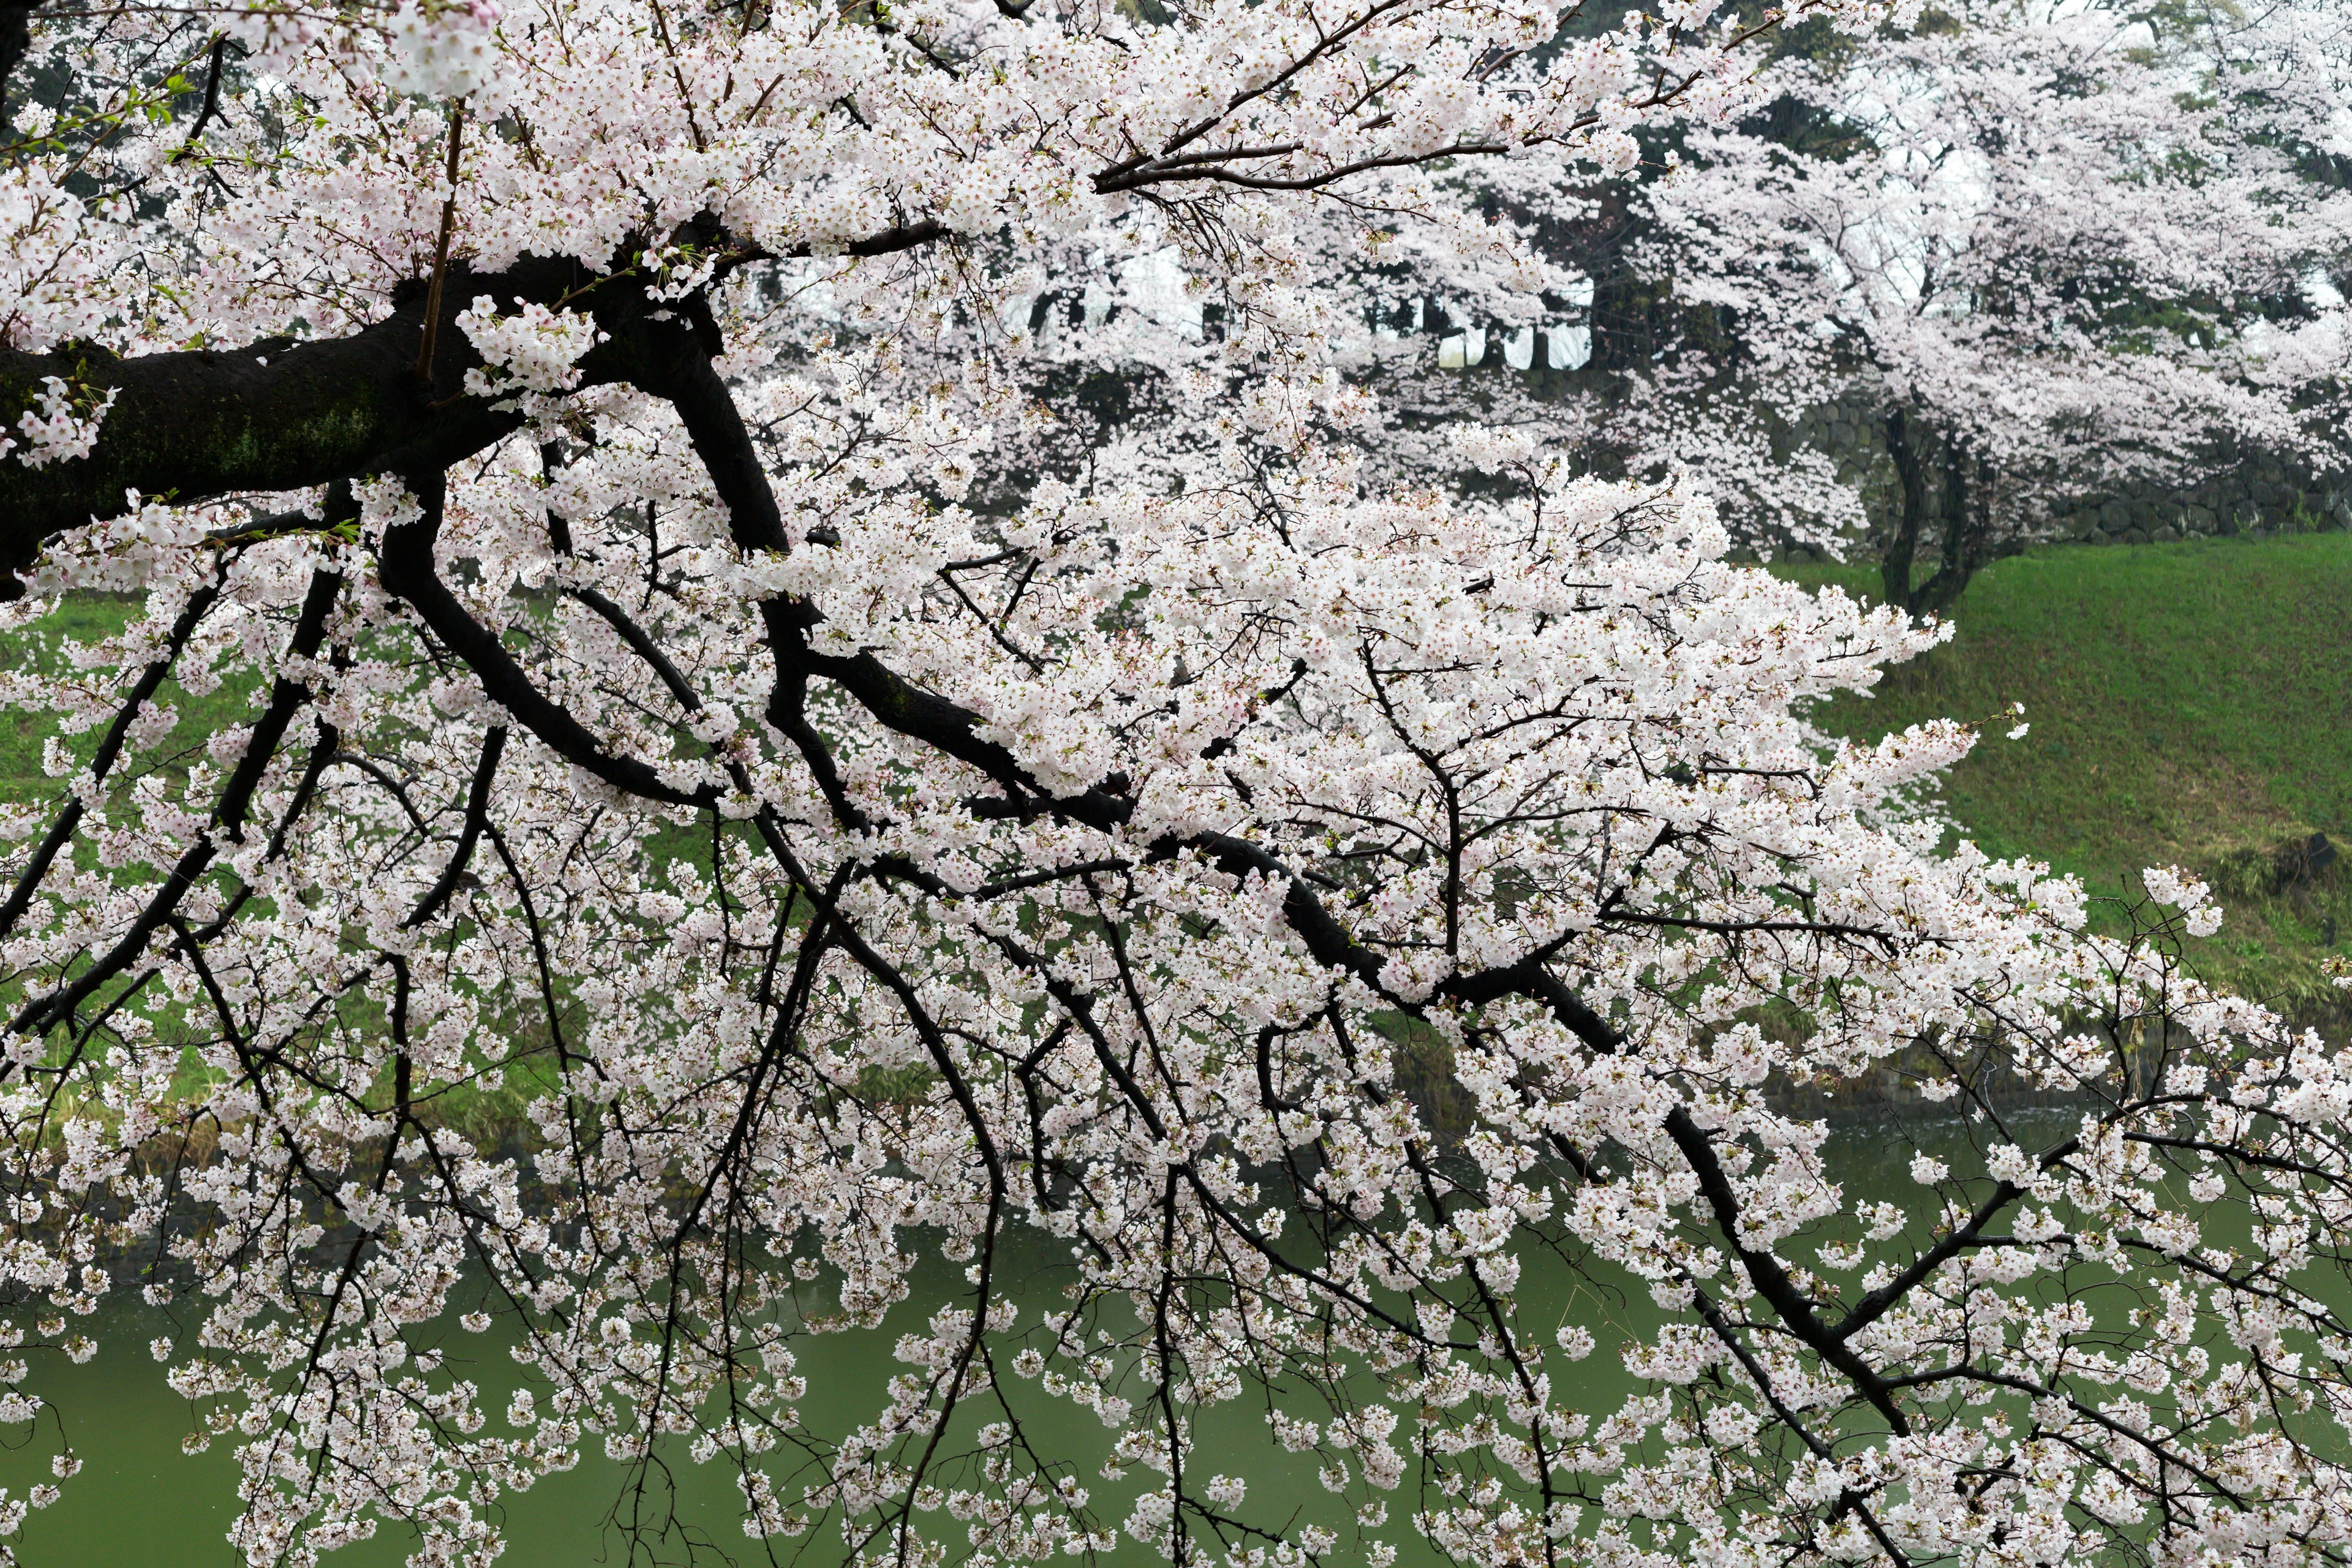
140,1500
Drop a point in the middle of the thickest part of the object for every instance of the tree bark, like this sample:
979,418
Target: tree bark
1968,527
1966,520
16,40
208,424
1903,549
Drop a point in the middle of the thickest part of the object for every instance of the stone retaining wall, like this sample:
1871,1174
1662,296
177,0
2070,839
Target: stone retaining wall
2259,494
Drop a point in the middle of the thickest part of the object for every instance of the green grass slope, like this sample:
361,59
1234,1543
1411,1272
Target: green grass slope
2190,703
89,620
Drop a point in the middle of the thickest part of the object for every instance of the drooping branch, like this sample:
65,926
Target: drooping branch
229,819
921,714
477,807
408,572
287,697
1765,1273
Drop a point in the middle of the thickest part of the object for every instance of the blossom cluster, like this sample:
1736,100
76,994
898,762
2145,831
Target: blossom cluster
59,426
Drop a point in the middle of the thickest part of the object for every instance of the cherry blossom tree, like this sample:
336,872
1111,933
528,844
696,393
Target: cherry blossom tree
1428,311
538,418
1903,229
2058,249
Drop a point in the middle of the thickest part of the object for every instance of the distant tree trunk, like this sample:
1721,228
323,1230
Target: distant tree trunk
1967,519
1903,549
16,38
1967,533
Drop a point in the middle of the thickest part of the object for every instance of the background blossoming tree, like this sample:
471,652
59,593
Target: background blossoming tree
2054,249
2049,255
535,414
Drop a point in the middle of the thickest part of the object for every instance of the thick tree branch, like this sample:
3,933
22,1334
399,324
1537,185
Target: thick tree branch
207,424
672,360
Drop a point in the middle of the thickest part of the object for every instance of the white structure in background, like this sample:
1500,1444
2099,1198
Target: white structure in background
1567,347
1152,286
1462,350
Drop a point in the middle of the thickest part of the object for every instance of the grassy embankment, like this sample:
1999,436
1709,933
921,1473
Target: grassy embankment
2190,703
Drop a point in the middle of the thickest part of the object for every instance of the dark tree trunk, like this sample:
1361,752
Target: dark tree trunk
196,426
277,416
1967,519
1967,533
16,38
1903,547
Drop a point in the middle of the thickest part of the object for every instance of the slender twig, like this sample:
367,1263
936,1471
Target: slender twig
441,250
